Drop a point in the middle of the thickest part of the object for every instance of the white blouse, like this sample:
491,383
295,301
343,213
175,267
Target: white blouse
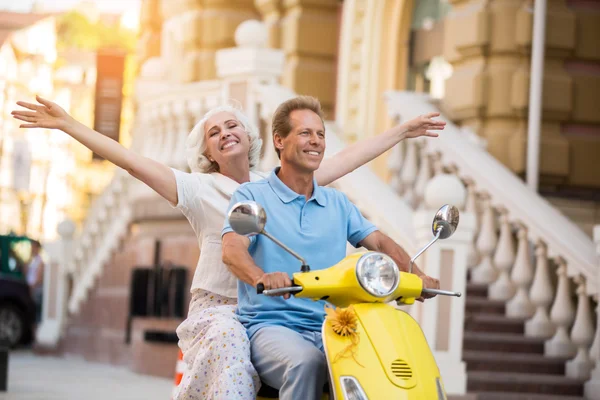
204,199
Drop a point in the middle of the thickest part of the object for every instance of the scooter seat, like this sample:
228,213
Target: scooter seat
268,392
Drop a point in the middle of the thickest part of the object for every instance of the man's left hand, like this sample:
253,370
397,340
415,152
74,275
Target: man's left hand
429,283
423,125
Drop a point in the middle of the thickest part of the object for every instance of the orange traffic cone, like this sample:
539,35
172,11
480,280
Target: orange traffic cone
179,369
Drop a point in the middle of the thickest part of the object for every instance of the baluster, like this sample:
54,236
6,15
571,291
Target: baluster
423,177
452,169
395,166
169,134
541,294
592,387
503,288
471,207
486,243
582,335
562,316
155,135
438,167
595,349
409,172
183,126
521,275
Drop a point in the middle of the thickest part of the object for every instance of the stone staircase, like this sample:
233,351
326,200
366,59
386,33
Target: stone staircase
504,364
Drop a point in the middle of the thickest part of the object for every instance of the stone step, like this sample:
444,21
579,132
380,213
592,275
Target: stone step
513,362
520,396
477,290
478,381
482,322
481,305
502,342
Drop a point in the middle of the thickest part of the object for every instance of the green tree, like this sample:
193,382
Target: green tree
75,31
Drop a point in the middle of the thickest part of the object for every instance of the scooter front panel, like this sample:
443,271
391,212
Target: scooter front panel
391,359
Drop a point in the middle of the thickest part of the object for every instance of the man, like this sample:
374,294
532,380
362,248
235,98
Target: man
316,222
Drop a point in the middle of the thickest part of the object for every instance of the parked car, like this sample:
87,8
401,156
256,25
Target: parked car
17,309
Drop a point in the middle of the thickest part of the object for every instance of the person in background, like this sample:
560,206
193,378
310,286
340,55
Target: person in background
35,277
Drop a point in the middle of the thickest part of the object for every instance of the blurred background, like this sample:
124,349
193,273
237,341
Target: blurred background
57,49
518,82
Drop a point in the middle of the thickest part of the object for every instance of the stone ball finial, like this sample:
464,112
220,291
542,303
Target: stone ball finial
445,189
66,228
153,69
251,33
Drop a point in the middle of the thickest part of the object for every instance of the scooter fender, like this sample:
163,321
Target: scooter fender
391,359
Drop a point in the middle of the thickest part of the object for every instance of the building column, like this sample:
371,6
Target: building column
193,30
309,39
150,26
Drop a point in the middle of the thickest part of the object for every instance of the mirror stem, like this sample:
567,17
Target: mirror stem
305,267
412,260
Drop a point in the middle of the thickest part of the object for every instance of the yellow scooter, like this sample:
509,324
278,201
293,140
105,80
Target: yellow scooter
373,350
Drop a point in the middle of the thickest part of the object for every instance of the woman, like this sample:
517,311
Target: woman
222,150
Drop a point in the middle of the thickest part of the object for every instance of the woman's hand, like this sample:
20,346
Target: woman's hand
47,115
423,125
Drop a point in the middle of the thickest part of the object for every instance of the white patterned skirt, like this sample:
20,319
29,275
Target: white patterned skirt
216,350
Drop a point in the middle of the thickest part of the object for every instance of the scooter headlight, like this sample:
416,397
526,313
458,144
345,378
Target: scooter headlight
378,274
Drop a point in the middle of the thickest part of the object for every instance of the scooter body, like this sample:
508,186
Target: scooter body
391,358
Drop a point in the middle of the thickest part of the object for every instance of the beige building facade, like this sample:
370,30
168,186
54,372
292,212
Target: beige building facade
347,53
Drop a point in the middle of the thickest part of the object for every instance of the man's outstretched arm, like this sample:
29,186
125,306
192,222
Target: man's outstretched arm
240,263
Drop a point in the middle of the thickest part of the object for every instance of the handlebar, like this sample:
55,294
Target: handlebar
260,289
441,292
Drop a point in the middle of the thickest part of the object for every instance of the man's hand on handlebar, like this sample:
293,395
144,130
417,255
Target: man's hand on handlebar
429,283
275,280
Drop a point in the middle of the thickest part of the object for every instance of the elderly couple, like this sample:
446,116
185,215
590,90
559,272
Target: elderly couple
233,338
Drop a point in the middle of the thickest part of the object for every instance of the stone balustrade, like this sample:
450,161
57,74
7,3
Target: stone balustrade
520,241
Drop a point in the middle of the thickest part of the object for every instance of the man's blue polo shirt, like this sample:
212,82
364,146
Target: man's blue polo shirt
317,229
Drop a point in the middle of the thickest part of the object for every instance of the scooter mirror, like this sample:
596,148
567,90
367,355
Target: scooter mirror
247,218
445,221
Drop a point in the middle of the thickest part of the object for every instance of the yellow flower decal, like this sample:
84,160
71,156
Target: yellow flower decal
343,321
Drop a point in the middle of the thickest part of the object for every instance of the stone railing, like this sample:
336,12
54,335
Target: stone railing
512,223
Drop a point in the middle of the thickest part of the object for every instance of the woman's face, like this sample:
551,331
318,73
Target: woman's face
225,138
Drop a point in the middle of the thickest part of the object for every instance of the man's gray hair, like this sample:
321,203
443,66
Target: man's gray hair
195,144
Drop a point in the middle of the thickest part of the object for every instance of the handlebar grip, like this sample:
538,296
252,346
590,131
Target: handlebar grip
441,292
260,288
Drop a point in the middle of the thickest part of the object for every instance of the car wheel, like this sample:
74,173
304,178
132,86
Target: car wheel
12,325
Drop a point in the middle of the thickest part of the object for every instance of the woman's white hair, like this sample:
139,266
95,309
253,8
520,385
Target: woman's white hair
195,144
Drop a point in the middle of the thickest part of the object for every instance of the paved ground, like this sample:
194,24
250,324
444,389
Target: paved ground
33,377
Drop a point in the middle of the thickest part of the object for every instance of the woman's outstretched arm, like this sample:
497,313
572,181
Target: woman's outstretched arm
365,150
50,115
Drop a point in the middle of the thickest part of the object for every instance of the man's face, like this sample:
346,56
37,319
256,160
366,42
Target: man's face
304,146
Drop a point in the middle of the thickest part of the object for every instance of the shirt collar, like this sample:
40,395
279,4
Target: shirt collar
287,195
